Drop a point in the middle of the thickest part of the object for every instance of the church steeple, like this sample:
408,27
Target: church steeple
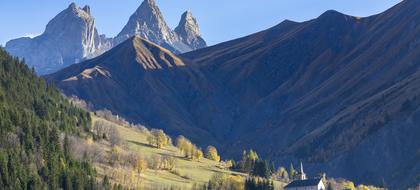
302,174
301,167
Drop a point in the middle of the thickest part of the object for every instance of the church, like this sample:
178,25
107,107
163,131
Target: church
303,183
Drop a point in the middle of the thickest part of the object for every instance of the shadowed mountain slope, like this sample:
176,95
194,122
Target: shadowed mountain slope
313,90
338,92
148,84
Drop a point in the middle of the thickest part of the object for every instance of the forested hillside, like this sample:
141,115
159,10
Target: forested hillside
34,121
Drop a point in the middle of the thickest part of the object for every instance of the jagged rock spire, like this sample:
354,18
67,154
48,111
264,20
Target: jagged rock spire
86,8
72,5
69,37
189,31
148,22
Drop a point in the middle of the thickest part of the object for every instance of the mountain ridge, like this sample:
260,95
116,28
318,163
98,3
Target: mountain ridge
148,22
156,77
72,37
325,85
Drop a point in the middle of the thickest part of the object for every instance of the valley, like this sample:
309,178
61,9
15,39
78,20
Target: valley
324,91
161,109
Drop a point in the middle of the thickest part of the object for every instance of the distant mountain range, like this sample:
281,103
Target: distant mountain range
340,93
71,37
148,23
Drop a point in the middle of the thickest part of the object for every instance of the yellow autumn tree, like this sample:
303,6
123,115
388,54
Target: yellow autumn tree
348,185
158,138
198,154
141,164
185,146
211,153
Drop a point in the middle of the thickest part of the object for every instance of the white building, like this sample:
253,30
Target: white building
306,184
302,183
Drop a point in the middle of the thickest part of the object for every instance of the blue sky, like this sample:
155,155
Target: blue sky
220,20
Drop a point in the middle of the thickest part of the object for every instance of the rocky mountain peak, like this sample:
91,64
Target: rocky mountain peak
70,17
151,3
332,16
74,9
149,7
86,8
188,24
74,25
189,31
72,6
149,23
69,38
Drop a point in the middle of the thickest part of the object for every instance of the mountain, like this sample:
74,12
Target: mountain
189,32
146,84
148,23
70,37
337,92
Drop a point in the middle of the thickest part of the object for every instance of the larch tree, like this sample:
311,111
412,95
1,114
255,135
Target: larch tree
211,153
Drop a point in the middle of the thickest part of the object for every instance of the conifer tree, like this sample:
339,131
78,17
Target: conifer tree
292,171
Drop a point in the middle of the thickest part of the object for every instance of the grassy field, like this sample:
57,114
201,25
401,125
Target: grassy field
188,172
191,171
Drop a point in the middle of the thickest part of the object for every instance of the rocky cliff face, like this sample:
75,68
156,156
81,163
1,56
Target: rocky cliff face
72,37
189,32
68,38
148,23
